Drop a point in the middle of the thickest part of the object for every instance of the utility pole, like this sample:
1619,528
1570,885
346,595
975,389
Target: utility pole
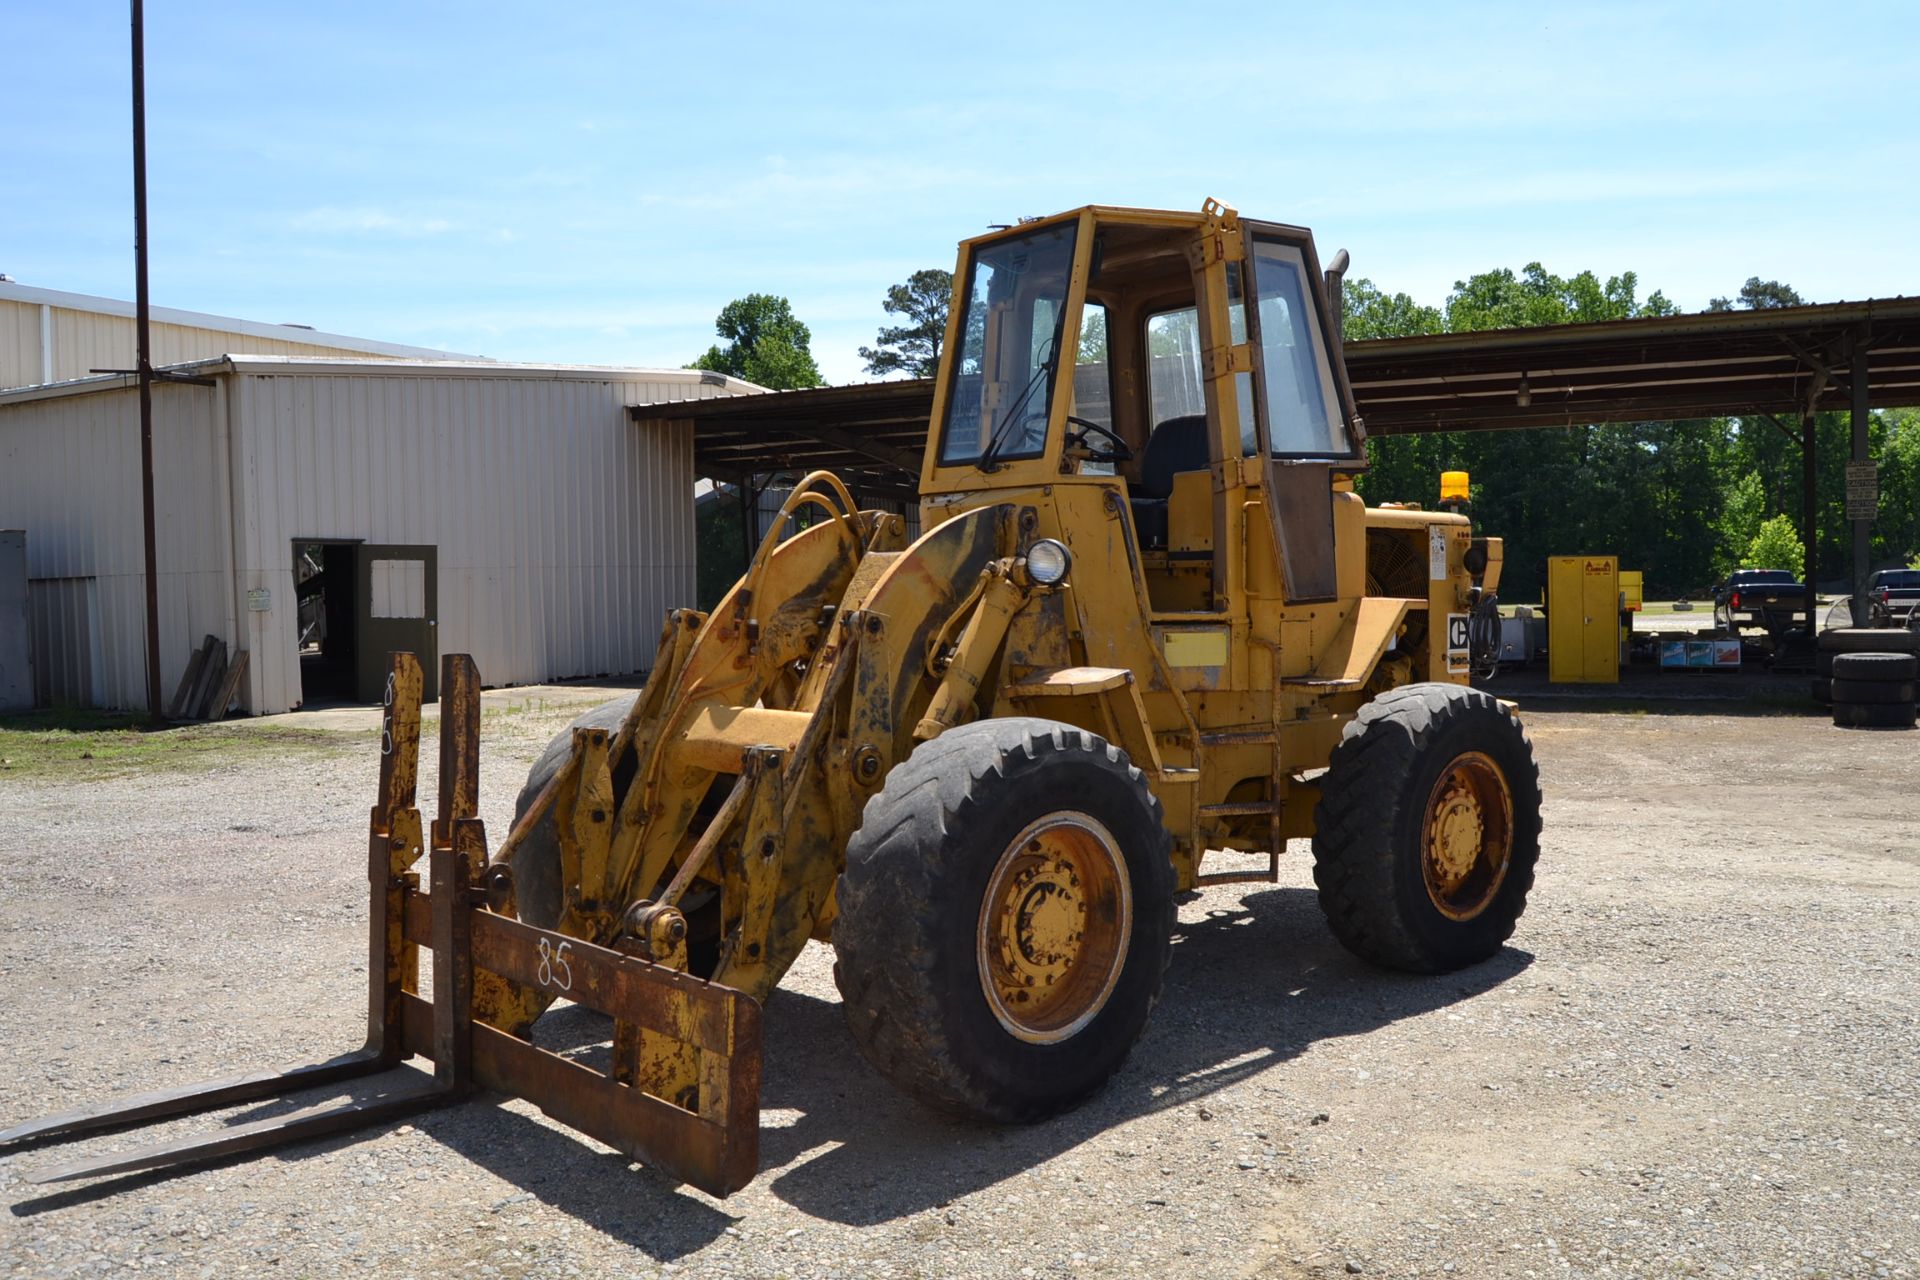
156,711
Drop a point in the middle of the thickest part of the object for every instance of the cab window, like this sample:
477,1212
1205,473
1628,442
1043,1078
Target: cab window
1093,384
1302,420
1174,382
1002,391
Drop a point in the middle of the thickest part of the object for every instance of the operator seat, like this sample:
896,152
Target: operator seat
1176,445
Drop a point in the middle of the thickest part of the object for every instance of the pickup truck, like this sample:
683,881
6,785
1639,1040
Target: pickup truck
1772,599
1894,597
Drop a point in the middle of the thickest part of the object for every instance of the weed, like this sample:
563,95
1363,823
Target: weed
73,743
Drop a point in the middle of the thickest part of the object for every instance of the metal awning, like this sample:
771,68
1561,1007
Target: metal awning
872,435
1784,362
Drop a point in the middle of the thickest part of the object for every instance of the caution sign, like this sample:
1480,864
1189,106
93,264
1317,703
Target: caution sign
1459,642
1863,490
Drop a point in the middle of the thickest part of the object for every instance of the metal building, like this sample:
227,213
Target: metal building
317,512
49,336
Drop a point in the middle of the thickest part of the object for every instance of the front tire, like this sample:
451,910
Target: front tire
1005,919
1428,829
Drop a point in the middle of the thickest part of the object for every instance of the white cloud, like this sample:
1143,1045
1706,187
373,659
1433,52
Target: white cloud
332,220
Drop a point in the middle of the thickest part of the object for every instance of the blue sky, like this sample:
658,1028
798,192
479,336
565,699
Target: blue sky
593,183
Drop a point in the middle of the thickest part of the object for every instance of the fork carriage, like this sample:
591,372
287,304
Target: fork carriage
707,1136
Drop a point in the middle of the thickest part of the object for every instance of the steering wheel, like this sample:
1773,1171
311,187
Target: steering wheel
1119,450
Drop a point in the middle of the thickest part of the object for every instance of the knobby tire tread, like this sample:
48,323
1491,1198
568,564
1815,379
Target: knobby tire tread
900,866
1361,805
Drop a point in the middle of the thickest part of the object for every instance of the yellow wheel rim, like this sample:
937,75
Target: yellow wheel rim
1054,927
1467,836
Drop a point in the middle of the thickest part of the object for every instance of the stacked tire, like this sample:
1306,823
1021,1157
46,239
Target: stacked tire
1868,674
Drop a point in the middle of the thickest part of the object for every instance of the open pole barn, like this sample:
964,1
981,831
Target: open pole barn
318,512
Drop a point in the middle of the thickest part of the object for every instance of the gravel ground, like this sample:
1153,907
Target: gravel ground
1697,1057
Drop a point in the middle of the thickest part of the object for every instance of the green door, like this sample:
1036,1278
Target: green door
396,608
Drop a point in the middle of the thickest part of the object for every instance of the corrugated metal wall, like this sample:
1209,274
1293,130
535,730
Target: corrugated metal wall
70,476
565,531
66,642
86,340
19,344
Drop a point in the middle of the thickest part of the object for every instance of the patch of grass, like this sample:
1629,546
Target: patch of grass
78,743
522,707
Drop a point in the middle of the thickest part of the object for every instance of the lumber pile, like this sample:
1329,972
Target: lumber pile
210,683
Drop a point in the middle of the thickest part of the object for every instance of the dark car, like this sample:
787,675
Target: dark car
1894,596
1773,599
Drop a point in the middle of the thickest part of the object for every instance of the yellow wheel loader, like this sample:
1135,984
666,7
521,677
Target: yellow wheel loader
1149,625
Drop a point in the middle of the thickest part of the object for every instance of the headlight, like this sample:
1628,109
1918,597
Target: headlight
1048,562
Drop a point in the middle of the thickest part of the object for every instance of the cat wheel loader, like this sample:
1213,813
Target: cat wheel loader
1149,626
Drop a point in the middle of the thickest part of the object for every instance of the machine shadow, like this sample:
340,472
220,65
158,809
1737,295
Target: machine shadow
599,1188
554,1166
1641,691
1249,987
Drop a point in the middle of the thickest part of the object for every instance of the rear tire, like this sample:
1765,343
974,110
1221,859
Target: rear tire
1869,715
1869,640
1859,692
1428,829
1005,919
1851,667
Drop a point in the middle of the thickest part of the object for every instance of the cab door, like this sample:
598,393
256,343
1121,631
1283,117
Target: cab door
1304,425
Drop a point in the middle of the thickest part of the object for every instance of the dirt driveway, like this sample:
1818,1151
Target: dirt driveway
1697,1057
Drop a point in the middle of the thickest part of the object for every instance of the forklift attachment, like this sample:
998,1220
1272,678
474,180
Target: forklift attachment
708,1138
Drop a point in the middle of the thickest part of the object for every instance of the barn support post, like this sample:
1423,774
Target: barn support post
750,491
1809,519
1858,377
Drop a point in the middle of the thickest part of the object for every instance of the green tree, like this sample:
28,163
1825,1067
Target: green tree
1093,336
1559,490
766,344
1757,295
719,551
1366,312
1743,511
913,348
1896,532
1776,546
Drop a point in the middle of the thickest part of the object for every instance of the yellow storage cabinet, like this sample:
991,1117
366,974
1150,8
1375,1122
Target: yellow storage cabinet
1583,619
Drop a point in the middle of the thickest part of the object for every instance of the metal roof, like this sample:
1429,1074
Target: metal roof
1777,361
11,291
349,366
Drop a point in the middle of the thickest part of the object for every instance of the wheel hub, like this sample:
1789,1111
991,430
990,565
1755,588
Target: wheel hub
1054,926
1048,922
1459,834
1468,836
